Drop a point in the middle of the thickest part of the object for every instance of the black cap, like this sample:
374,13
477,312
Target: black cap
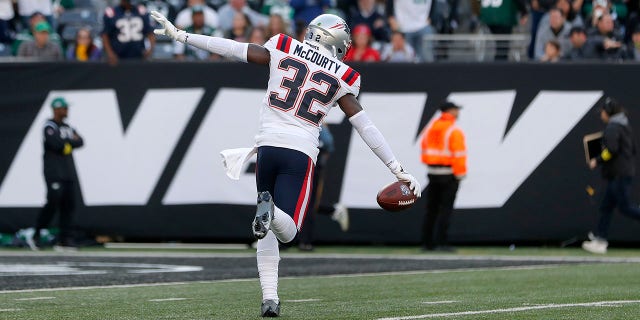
576,29
611,106
448,105
637,28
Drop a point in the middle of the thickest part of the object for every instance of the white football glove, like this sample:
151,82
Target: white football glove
402,175
168,29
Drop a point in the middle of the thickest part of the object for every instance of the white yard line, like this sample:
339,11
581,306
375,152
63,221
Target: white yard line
10,310
208,246
372,274
440,302
301,300
168,299
36,298
516,309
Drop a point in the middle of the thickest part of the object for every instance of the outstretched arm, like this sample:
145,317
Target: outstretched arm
374,139
225,47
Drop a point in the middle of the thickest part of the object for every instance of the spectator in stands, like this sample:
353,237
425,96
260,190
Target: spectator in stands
412,19
539,9
579,49
557,30
199,26
184,20
300,29
276,25
369,13
6,14
633,49
361,50
552,52
83,49
279,7
41,47
258,36
501,17
26,8
606,39
228,12
570,14
62,5
596,8
241,29
27,34
308,9
398,50
125,28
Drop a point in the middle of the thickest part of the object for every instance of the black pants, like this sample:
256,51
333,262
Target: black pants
502,46
616,194
441,193
60,198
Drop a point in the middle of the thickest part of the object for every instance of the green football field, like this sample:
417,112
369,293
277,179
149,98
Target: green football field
584,290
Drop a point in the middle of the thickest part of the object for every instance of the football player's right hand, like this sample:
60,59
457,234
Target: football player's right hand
168,29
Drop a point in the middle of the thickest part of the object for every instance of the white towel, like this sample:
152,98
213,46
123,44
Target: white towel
234,160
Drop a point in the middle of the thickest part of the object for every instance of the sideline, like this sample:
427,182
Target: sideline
371,274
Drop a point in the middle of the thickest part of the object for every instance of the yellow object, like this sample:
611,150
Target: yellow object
590,190
444,145
81,53
67,149
606,155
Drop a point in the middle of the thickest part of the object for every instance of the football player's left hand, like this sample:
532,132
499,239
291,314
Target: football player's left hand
168,29
402,175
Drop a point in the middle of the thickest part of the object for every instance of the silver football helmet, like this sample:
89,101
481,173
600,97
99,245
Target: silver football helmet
330,32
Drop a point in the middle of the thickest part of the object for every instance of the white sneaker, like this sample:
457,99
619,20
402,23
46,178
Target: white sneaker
341,215
28,236
595,246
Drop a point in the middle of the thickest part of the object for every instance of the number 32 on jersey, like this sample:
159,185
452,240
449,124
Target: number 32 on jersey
303,101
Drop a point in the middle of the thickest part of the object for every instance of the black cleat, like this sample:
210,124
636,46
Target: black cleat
264,214
270,309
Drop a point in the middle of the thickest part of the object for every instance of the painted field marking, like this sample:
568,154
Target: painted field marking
371,274
440,302
36,298
301,300
168,299
10,310
75,268
301,256
517,309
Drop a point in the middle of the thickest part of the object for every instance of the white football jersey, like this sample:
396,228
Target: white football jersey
305,82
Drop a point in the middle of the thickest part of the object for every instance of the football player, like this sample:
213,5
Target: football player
306,80
126,26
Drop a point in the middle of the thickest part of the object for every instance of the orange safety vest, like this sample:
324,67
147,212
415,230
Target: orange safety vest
443,145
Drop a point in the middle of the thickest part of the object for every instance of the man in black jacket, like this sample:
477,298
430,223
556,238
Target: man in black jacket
617,159
59,172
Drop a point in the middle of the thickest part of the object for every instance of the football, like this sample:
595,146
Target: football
396,196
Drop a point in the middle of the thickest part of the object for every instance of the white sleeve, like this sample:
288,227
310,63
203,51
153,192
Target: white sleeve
224,47
372,137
